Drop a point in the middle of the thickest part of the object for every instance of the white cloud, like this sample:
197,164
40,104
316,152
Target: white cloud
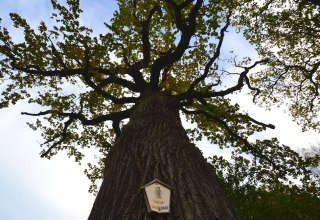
58,184
58,188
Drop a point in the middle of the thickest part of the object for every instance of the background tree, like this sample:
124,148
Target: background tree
260,194
159,58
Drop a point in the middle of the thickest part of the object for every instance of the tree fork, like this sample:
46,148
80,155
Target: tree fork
154,145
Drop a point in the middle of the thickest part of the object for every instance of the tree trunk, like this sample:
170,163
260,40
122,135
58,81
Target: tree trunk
154,145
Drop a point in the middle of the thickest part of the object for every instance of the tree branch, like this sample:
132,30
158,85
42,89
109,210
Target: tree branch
116,127
210,94
62,139
260,123
224,125
105,94
133,70
56,53
308,74
187,29
185,4
112,78
35,70
145,40
212,59
115,117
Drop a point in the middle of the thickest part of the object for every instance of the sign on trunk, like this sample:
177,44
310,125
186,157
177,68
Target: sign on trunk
157,195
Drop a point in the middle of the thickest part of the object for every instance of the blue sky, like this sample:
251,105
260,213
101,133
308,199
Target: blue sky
32,188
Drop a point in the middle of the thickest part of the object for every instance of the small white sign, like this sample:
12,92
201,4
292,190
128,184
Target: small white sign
158,196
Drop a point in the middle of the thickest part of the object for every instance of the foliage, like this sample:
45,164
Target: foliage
259,193
293,52
86,85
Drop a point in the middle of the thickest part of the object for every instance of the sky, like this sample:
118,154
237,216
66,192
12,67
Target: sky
32,188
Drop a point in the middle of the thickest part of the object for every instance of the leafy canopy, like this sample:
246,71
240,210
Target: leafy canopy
87,84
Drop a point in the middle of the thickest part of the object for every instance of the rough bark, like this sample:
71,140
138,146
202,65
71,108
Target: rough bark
154,145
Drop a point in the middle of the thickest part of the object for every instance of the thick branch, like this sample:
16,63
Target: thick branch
105,94
246,78
116,127
119,81
113,79
36,70
225,126
210,94
187,29
213,58
115,117
177,14
260,123
137,77
133,70
145,40
240,84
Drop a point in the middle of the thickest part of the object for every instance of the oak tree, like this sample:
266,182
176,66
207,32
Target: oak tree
124,91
